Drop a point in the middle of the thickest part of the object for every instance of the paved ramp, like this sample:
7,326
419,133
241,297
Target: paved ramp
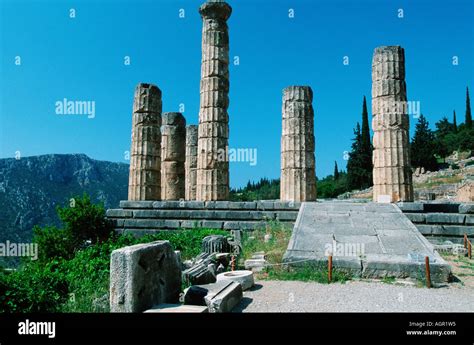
369,239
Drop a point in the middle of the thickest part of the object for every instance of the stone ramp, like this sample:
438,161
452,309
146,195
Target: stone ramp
369,239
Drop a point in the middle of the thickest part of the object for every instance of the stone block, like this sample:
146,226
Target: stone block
224,300
265,205
199,274
231,225
445,218
177,308
144,223
195,294
212,224
416,217
191,224
142,276
136,204
466,208
411,206
286,215
469,219
118,213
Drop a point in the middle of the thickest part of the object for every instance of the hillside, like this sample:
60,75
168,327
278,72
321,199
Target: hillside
32,187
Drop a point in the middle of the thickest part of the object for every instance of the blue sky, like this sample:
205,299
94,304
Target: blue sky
82,58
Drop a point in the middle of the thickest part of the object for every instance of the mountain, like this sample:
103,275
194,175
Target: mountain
32,187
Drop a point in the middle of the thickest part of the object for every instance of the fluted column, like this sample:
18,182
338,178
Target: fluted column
213,133
145,161
391,156
298,178
190,165
173,141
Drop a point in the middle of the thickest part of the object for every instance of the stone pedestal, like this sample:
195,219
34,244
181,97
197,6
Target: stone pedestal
212,165
191,162
144,179
298,178
391,156
173,133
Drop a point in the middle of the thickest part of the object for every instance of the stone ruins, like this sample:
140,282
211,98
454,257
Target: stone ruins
213,135
391,156
191,162
145,156
298,175
173,141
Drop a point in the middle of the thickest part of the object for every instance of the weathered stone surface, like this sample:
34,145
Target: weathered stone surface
142,276
298,178
416,217
191,162
215,244
212,173
173,154
244,278
411,206
195,294
465,192
445,218
177,308
392,173
145,156
224,300
199,274
373,240
466,208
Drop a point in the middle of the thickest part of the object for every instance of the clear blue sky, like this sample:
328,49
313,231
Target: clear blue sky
83,59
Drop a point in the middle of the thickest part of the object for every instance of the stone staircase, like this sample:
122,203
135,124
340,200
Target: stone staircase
142,217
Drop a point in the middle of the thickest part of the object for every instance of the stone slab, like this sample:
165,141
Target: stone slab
380,237
142,276
178,308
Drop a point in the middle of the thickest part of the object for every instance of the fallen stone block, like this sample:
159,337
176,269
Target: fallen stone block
255,265
194,295
225,300
178,308
244,278
199,274
142,276
215,244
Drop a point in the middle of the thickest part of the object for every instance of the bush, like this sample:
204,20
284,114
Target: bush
84,224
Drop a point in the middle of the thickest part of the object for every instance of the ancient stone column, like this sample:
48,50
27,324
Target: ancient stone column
145,156
298,177
190,166
213,166
391,156
173,148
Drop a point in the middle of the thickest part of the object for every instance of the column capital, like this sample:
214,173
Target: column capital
215,9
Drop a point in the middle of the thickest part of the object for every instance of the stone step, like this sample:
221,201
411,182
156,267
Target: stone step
216,205
177,308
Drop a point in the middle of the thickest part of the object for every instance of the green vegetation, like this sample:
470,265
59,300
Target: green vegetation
423,146
359,165
274,250
264,189
306,273
72,271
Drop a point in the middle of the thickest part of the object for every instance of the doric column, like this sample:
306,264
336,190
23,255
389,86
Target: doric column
213,133
390,123
144,178
173,141
191,161
298,177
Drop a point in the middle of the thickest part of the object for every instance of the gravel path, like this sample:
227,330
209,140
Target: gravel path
354,296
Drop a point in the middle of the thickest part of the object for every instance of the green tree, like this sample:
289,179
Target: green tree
355,168
455,125
423,146
336,171
468,121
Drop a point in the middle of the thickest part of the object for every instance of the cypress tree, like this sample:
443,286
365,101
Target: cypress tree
366,142
455,125
468,110
423,146
336,172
